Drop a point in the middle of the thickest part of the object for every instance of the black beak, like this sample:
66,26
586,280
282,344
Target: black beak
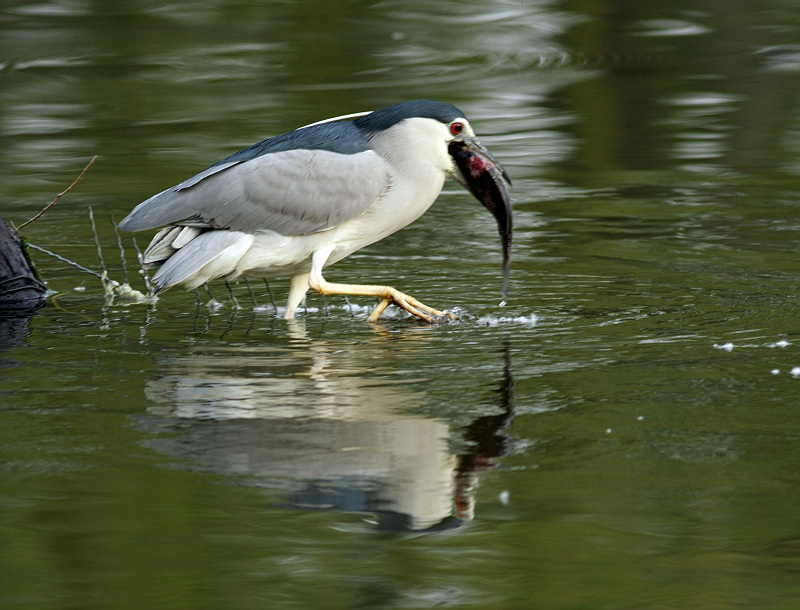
485,178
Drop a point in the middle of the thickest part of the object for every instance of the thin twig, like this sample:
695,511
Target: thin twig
252,294
271,296
65,260
97,243
121,251
142,270
231,295
60,195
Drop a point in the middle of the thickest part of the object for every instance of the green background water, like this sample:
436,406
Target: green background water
623,433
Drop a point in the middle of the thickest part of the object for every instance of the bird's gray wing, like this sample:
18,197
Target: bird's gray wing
291,192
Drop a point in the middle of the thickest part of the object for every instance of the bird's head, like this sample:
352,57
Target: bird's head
442,133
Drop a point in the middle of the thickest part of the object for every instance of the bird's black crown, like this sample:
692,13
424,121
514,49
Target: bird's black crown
391,115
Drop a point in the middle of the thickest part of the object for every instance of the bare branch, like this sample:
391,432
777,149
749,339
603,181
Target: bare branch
60,195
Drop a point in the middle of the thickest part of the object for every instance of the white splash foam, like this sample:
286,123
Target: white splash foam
396,313
265,309
493,321
214,305
725,346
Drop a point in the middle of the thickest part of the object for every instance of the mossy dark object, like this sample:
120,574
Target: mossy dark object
21,291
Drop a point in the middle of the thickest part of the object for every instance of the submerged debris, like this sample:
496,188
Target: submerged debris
21,290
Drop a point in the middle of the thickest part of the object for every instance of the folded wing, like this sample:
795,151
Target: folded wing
292,191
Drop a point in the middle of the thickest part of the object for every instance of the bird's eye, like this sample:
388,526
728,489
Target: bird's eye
456,128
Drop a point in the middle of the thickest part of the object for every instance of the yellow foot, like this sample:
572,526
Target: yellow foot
411,305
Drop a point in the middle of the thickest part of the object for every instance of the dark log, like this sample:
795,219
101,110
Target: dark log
21,292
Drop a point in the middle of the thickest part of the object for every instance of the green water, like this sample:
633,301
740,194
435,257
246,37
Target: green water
622,434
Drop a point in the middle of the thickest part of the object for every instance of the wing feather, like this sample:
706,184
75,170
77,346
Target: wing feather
290,191
212,254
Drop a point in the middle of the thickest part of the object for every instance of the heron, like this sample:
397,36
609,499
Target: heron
297,203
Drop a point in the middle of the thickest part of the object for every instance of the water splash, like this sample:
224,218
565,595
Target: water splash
493,321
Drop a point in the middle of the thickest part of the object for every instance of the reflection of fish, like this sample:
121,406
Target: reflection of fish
487,180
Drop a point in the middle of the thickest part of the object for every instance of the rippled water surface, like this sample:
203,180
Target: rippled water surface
623,433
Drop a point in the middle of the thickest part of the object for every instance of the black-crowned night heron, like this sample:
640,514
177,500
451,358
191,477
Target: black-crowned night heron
296,203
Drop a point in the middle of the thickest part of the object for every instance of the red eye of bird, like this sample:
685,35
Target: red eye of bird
456,128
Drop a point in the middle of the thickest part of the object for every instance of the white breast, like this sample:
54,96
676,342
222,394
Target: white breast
415,152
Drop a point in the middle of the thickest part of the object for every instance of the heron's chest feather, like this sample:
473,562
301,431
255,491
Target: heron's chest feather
416,159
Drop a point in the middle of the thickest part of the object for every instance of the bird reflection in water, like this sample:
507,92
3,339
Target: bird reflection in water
323,432
487,438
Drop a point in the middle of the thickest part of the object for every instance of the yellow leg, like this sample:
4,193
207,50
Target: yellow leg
387,294
379,309
297,292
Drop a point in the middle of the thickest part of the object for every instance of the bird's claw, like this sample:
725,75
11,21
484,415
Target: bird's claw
412,306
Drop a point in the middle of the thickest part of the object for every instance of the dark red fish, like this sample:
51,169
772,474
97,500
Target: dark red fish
489,182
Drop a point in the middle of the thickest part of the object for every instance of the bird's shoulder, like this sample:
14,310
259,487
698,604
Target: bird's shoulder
342,137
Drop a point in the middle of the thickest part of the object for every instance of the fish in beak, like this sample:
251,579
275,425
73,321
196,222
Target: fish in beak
480,173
